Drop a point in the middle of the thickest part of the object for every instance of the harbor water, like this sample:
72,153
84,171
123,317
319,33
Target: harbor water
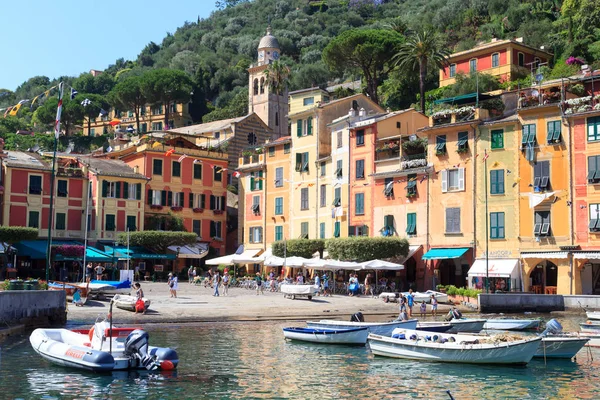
252,360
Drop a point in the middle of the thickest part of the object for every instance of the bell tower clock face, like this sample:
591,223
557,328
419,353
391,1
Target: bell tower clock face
261,55
276,55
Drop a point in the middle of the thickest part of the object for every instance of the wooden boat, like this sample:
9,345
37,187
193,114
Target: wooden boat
458,325
328,336
443,347
506,324
102,349
434,326
126,302
594,315
590,327
593,338
294,291
70,288
378,328
561,346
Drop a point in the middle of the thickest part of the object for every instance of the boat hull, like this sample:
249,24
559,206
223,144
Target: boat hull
434,327
595,315
378,328
590,328
560,347
125,302
345,336
511,324
466,325
518,352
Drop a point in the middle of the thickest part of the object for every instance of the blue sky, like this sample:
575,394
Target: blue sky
68,37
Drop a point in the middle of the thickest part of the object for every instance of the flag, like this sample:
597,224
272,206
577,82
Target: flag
41,96
169,152
109,149
180,159
7,111
197,161
114,122
58,111
236,174
156,144
508,171
86,102
219,169
103,112
485,157
16,108
73,93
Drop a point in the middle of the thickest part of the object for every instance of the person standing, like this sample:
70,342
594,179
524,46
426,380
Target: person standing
89,269
190,275
368,286
136,273
318,284
300,279
99,271
194,274
172,284
402,301
225,281
434,305
140,304
326,285
410,301
259,287
216,282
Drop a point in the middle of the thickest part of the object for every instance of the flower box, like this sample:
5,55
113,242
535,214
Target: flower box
462,150
217,212
198,210
156,207
176,208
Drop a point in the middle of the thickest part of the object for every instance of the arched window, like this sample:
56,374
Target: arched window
262,85
255,86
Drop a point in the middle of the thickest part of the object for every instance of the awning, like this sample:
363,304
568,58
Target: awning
381,265
547,254
445,253
197,251
135,252
34,249
224,260
587,255
249,256
91,254
497,268
411,252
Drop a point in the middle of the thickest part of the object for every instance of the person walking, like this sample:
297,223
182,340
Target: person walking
216,281
140,305
190,275
225,281
326,285
318,284
172,282
89,269
434,305
410,301
402,301
368,286
259,286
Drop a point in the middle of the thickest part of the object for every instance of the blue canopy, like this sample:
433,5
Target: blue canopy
445,253
135,252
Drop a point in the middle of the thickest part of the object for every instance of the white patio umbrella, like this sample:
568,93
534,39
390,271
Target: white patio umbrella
273,261
382,265
225,260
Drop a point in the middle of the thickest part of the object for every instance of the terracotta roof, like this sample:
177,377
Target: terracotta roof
510,118
281,140
107,167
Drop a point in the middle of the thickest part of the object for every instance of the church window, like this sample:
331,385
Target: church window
255,86
262,85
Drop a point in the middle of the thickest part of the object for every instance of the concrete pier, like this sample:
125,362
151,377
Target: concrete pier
520,302
33,308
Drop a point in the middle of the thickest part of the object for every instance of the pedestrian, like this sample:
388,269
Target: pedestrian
136,273
410,301
423,309
140,304
77,298
402,301
368,286
434,304
326,285
99,271
190,275
225,281
89,269
300,279
172,284
259,286
194,275
216,281
318,284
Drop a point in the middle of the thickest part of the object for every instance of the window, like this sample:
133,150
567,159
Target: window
278,233
528,141
197,227
309,127
110,189
388,226
339,171
463,142
411,223
61,189
411,186
109,224
256,234
452,220
497,139
157,126
256,180
279,177
302,162
217,135
278,205
553,132
323,196
521,59
453,180
144,127
155,197
272,151
157,110
594,217
197,171
340,139
497,225
216,229
541,176
255,86
132,191
299,124
93,130
536,62
176,169
61,221
495,60
262,85
35,184
452,70
497,181
593,169
304,199
308,101
34,219
440,144
286,148
388,188
177,199
593,129
541,225
360,169
359,204
304,230
217,173
276,118
360,137
198,201
337,197
252,139
323,168
217,202
173,107
322,230
359,230
337,227
473,65
157,165
131,223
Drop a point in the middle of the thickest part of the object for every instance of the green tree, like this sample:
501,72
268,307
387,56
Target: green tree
366,248
298,247
166,87
128,95
91,110
367,50
421,50
72,114
277,76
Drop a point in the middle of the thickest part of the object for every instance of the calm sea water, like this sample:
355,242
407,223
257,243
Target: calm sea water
252,360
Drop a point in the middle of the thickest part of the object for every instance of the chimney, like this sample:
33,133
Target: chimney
361,112
351,112
519,39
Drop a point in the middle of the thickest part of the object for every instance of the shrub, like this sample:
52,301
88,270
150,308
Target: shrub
158,241
451,290
298,247
366,248
14,234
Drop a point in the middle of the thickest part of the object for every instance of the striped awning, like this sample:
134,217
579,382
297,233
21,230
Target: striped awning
587,255
546,254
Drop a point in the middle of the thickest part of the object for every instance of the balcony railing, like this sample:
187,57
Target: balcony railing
387,154
74,172
581,104
414,161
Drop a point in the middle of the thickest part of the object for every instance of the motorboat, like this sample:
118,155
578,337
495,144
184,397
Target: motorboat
70,289
434,326
590,327
462,325
109,288
378,328
328,336
594,315
417,296
443,347
502,324
561,346
593,338
102,348
126,302
292,291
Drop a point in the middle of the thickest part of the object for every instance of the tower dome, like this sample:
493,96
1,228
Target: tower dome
268,41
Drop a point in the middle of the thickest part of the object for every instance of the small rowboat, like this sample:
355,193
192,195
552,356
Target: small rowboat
294,291
502,324
378,328
590,327
126,302
595,315
70,288
439,327
328,336
110,288
457,325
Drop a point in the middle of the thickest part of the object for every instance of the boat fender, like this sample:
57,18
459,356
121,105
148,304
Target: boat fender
451,339
91,334
162,354
428,338
413,337
436,338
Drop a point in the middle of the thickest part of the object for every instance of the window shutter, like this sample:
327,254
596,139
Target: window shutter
223,203
550,132
500,181
260,181
213,230
169,198
163,198
299,127
104,188
365,230
149,197
181,199
501,225
125,190
309,126
456,220
191,198
461,179
298,161
138,192
212,202
444,181
449,220
252,181
202,201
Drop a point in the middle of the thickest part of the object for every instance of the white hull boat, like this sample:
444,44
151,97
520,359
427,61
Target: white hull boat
593,338
98,350
292,291
560,346
595,315
328,336
590,327
418,296
450,348
465,325
378,328
126,302
109,288
501,324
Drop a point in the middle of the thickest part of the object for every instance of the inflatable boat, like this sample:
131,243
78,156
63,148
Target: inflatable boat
125,302
102,348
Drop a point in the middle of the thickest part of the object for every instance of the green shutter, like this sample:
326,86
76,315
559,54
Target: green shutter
191,199
149,197
298,162
138,192
260,182
309,126
104,188
169,198
203,201
125,190
252,181
299,127
163,198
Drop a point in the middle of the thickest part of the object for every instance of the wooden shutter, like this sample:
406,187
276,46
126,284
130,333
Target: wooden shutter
169,198
260,181
309,126
181,199
104,188
149,197
298,161
299,127
203,201
125,189
191,198
163,197
212,202
444,181
213,230
138,192
461,179
252,181
449,219
223,203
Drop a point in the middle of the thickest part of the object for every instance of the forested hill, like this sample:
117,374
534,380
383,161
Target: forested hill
215,52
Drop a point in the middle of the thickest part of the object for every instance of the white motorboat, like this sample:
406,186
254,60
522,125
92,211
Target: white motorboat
590,327
458,325
502,324
593,338
126,302
418,296
103,348
443,347
328,336
292,291
595,315
560,346
378,328
109,288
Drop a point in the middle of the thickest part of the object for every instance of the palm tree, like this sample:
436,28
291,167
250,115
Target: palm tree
419,50
277,76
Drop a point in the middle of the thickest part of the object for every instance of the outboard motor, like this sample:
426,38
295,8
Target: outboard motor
136,346
357,317
552,327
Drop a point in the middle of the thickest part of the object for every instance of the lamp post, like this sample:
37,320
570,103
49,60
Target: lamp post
487,221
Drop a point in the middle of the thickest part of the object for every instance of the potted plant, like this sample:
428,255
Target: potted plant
156,207
462,150
198,210
217,212
176,208
441,288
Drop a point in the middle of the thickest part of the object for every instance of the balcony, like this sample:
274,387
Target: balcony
72,172
251,158
581,104
457,115
414,161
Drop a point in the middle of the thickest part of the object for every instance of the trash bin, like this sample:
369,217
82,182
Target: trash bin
15,285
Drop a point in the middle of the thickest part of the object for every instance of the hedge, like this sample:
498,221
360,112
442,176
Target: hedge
366,248
158,241
298,248
14,234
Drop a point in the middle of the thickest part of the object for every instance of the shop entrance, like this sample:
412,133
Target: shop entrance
544,278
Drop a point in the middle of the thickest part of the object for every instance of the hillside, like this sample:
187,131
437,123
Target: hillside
216,51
